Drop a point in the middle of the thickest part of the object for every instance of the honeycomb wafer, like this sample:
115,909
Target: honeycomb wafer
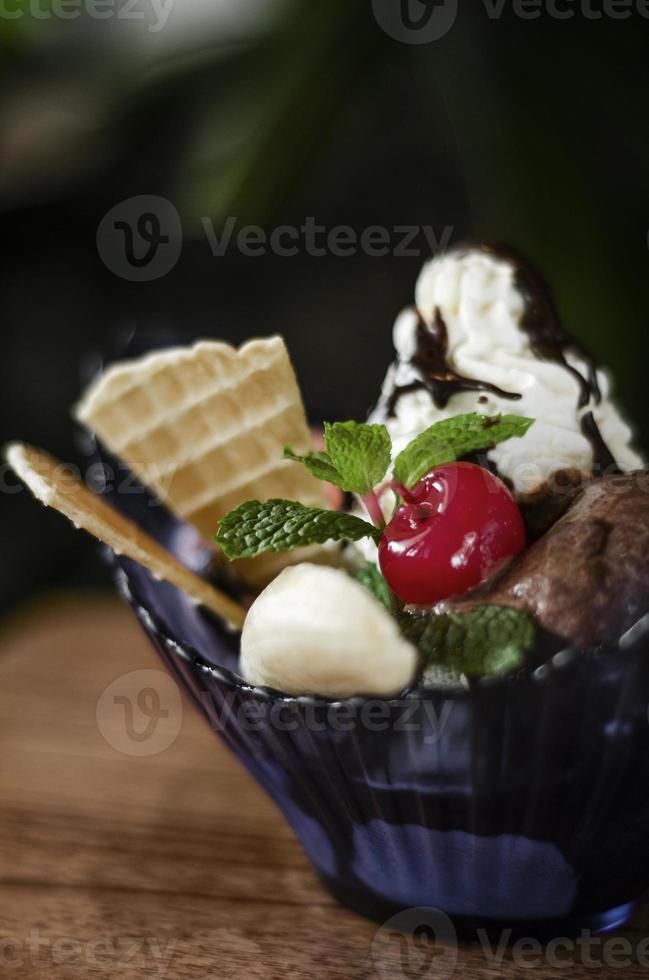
205,427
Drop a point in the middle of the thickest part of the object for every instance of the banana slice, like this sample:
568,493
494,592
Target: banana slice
315,630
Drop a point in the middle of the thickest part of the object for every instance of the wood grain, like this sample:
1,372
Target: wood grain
171,865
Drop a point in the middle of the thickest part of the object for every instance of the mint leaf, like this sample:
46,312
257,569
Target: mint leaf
281,525
357,456
360,453
453,438
318,464
489,640
370,576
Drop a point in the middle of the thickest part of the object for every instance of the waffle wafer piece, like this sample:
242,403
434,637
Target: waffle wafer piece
205,427
56,486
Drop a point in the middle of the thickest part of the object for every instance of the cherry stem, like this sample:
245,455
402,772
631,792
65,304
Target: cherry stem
399,489
374,509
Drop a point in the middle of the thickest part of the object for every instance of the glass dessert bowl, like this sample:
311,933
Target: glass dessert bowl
519,803
484,751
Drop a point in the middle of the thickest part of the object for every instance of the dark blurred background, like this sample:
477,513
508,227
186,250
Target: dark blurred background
523,129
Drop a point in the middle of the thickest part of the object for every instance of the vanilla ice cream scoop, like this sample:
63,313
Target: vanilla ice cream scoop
484,336
315,630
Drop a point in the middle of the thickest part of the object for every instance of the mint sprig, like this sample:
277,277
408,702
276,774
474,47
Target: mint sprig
357,456
453,438
281,525
488,641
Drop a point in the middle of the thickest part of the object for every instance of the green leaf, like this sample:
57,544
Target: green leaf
489,640
453,438
360,453
357,457
318,464
281,525
370,576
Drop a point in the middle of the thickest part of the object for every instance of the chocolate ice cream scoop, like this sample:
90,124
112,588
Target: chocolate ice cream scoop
587,579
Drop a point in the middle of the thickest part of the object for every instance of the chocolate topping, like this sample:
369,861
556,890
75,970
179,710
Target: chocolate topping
604,463
541,322
587,579
434,371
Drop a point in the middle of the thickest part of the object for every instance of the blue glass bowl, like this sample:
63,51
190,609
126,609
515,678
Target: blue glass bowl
522,803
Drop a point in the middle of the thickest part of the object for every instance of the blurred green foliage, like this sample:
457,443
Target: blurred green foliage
546,122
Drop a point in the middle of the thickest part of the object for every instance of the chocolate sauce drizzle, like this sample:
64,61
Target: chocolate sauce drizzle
548,339
434,373
541,322
604,461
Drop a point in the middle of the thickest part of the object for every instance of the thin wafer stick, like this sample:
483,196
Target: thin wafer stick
56,486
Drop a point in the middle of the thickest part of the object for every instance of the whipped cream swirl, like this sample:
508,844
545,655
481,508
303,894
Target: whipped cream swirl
492,348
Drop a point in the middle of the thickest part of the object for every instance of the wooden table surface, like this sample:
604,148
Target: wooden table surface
130,856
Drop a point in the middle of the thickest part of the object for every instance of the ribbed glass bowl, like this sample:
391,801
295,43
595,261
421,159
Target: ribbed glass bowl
522,803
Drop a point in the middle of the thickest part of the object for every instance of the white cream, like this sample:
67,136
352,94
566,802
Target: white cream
315,630
482,308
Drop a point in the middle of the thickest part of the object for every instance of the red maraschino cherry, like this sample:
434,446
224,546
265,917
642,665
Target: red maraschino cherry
453,530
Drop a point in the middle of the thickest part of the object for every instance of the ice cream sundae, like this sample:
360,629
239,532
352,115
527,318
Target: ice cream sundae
491,557
491,416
